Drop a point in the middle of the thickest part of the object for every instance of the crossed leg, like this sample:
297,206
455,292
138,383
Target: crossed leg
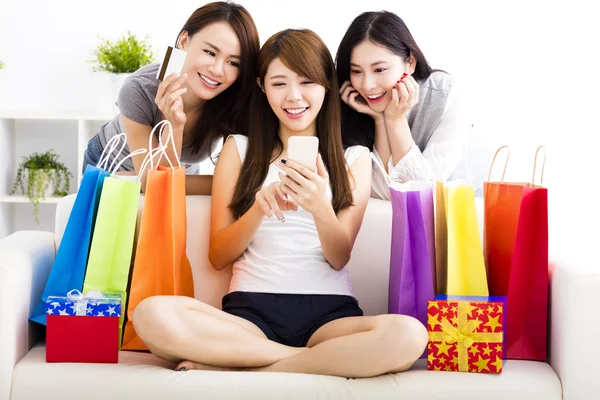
359,347
181,328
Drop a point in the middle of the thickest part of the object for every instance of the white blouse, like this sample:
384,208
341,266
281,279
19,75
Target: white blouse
443,152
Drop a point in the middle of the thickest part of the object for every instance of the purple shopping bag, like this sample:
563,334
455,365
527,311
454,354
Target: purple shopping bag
412,259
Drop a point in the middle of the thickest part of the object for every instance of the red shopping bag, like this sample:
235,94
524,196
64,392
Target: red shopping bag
516,255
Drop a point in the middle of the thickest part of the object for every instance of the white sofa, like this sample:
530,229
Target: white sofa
26,258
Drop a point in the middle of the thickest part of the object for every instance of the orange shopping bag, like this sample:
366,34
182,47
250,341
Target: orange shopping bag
161,266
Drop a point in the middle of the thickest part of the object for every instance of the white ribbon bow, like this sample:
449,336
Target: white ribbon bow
81,300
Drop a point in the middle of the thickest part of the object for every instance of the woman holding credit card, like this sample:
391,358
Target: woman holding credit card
205,98
395,104
288,229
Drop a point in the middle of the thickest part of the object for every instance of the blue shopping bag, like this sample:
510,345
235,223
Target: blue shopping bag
69,266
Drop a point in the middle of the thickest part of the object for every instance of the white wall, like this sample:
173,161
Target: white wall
529,67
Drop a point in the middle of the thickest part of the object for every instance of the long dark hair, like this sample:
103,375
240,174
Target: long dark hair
227,113
386,29
305,53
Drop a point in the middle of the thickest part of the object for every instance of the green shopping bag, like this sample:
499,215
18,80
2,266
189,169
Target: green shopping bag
112,244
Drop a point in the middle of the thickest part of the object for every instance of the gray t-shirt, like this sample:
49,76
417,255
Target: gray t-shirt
136,102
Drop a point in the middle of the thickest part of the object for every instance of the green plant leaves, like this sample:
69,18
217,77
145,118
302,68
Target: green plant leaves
125,55
39,176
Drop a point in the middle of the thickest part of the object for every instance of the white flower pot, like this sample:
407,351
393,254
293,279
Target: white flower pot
50,186
116,83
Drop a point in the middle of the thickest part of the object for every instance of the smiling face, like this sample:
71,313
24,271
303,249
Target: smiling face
374,71
213,59
295,100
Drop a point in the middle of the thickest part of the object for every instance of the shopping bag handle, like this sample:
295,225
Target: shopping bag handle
159,150
170,138
535,161
505,163
148,161
112,170
111,145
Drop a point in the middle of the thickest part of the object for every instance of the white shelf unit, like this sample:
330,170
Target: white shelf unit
23,133
23,199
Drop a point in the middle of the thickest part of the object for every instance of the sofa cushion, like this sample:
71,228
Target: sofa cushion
142,375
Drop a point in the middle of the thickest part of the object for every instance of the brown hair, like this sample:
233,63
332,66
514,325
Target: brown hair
305,53
227,113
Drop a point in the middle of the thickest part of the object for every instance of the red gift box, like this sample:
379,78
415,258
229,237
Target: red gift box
465,335
82,329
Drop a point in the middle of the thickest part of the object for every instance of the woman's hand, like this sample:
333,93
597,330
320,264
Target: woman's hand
405,95
305,187
273,201
168,99
350,95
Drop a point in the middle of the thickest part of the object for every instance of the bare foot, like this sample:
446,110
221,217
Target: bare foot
189,365
185,366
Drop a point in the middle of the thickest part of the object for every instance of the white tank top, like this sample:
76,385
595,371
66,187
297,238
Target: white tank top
287,257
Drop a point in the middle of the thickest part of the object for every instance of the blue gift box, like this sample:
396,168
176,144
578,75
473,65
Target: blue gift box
494,299
93,304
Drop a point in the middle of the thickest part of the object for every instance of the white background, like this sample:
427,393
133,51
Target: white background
529,70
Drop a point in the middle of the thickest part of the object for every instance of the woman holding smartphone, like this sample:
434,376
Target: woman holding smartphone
204,104
406,113
288,230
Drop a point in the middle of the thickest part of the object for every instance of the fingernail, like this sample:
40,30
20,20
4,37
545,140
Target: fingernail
185,75
283,161
282,219
181,369
404,75
398,82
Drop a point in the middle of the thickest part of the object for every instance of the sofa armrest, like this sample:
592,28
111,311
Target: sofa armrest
574,325
25,261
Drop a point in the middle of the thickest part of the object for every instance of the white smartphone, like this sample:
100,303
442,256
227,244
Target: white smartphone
172,62
304,149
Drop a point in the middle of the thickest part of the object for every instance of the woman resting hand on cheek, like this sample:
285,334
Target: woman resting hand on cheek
408,114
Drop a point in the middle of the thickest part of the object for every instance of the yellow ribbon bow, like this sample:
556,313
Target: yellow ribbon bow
464,335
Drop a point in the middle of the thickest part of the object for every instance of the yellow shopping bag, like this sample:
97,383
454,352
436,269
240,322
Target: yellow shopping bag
460,267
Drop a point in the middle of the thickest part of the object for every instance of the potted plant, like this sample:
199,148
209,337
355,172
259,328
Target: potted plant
121,58
40,176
